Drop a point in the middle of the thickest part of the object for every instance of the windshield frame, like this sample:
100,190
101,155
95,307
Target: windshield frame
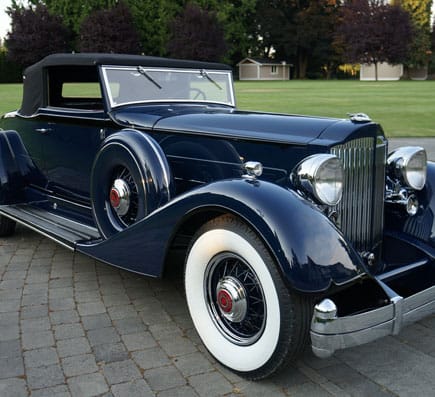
112,105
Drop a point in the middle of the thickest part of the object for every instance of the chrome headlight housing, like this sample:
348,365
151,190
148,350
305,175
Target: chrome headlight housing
409,165
321,177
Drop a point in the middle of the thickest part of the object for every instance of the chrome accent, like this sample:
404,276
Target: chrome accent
253,169
361,216
306,177
236,291
359,117
123,192
343,332
400,166
43,130
403,199
326,310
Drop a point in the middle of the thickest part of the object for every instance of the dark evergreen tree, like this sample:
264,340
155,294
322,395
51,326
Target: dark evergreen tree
109,31
34,34
196,34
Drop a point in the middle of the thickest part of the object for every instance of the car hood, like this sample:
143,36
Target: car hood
224,122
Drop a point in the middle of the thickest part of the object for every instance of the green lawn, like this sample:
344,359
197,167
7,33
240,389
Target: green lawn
405,108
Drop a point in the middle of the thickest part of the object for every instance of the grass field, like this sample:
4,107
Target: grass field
405,108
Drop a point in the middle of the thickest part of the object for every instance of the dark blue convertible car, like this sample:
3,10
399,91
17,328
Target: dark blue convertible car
291,228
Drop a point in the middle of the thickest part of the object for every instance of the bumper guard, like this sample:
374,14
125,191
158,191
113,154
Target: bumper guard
330,333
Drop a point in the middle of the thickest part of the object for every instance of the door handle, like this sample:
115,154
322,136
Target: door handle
43,130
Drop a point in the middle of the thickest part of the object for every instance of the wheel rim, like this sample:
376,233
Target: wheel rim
235,299
123,196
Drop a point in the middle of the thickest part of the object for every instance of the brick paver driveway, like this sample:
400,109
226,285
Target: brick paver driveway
70,326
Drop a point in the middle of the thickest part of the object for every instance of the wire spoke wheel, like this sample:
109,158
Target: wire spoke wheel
235,298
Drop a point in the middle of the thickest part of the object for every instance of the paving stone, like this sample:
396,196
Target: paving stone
11,367
121,312
136,388
73,347
35,299
155,316
88,285
110,352
10,348
11,284
121,371
210,384
95,321
260,389
79,365
64,317
61,304
34,311
9,332
150,358
13,387
116,300
102,336
40,357
35,340
139,341
164,378
193,364
37,324
68,331
129,325
352,381
60,283
86,309
35,289
87,296
88,385
183,391
177,345
9,305
55,391
39,377
165,330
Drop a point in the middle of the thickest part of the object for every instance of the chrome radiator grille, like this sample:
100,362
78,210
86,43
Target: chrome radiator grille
360,212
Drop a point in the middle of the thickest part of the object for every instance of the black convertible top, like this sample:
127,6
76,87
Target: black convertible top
35,76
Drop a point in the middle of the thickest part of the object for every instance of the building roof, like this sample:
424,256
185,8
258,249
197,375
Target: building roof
261,61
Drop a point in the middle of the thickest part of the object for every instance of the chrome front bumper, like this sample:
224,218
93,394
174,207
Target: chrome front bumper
330,333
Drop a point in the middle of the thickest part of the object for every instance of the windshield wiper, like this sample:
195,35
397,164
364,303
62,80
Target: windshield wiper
206,75
143,72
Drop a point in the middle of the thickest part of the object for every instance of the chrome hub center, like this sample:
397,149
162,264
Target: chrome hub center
231,299
119,197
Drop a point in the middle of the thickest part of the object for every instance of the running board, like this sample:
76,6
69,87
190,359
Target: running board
58,228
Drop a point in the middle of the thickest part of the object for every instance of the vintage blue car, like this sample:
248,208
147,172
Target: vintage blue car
290,227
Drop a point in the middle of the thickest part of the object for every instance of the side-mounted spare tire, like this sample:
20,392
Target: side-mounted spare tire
130,178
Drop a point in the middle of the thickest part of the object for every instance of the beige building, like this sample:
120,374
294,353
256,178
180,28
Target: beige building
391,72
262,69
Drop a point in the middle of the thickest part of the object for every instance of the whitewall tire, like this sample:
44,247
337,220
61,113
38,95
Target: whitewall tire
240,307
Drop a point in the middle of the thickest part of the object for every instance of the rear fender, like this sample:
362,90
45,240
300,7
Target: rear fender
310,252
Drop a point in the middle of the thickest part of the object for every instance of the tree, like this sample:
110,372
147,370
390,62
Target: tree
420,12
373,32
34,34
197,34
152,20
109,31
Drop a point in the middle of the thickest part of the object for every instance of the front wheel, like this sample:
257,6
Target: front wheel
245,315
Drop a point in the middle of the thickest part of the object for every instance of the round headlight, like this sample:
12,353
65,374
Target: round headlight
409,164
321,177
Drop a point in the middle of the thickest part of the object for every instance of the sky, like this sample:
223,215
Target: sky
4,19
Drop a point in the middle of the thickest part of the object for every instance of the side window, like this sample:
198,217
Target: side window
74,87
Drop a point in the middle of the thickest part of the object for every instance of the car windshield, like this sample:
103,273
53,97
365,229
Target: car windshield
131,84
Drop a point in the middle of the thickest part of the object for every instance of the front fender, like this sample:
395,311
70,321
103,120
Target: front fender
310,251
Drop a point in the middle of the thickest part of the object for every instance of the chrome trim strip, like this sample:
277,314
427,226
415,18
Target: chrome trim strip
343,332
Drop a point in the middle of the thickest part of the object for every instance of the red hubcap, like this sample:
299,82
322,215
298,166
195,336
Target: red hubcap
115,200
225,301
